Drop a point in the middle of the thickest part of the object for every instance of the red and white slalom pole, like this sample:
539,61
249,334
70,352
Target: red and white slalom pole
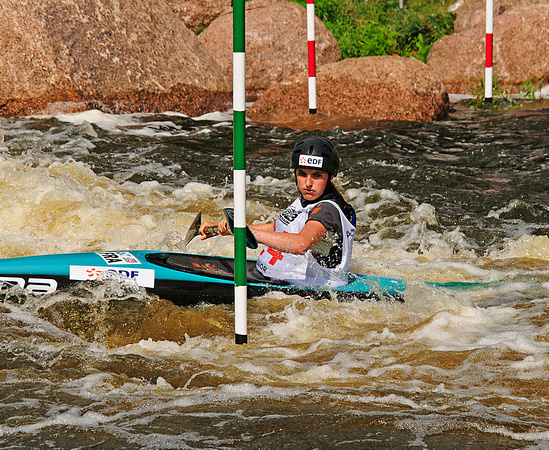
488,74
311,55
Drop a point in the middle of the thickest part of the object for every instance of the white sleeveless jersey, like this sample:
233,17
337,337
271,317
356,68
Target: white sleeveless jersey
304,270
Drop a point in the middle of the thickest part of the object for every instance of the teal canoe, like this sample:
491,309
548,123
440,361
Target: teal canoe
183,278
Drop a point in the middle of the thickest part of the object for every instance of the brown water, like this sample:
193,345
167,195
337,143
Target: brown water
105,366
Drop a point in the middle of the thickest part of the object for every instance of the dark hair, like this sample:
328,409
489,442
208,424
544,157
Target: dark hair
347,208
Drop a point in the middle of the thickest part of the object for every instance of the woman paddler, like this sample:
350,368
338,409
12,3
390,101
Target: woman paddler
311,242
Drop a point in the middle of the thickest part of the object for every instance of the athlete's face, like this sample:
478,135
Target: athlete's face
311,182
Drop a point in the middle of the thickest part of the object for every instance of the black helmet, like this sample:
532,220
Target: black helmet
315,153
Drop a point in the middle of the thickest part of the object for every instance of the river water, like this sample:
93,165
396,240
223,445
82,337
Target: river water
106,366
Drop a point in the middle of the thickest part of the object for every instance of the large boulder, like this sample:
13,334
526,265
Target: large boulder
353,92
276,43
472,13
120,55
520,53
198,14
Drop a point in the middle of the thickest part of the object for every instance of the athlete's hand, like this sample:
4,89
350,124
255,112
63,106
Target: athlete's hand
206,225
222,228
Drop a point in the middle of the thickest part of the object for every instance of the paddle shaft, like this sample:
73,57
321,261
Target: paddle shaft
211,230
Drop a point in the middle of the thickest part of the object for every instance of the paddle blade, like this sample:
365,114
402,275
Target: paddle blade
251,241
193,229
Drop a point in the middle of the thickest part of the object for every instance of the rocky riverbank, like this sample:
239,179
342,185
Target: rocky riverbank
521,46
141,56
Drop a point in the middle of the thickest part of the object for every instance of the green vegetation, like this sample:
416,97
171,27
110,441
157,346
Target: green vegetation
380,27
529,87
476,88
504,96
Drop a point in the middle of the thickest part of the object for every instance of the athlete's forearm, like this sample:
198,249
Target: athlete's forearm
262,227
287,242
297,244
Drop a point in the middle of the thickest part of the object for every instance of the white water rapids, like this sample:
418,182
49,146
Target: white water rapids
103,365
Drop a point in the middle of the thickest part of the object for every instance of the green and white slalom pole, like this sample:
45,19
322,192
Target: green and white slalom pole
239,155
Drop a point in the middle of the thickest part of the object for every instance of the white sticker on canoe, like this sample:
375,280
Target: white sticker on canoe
118,258
144,277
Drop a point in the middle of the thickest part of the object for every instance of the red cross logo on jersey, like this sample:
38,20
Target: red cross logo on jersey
276,256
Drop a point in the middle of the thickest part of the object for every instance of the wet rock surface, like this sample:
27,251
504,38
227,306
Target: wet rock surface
356,91
120,55
520,47
276,43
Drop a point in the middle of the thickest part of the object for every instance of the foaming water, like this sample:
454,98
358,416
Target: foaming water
104,364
